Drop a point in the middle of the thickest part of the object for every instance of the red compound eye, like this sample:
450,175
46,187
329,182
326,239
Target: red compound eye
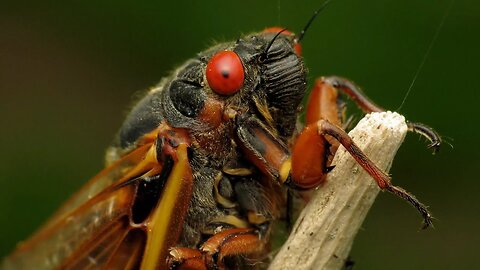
225,73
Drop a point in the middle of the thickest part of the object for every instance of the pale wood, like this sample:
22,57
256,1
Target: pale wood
324,232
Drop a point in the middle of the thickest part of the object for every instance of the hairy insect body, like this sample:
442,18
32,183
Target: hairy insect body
228,191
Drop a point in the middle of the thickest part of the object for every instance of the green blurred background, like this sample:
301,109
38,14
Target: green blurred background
69,72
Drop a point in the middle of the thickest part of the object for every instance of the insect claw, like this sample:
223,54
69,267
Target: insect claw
427,132
427,221
435,146
329,168
427,217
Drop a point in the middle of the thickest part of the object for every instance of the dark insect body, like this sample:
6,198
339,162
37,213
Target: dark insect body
200,168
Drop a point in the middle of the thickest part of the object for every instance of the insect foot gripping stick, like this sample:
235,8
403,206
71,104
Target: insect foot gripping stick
324,232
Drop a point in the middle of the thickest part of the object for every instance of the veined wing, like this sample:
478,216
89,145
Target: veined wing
100,182
52,245
100,234
90,211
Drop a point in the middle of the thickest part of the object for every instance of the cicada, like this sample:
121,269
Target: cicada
203,165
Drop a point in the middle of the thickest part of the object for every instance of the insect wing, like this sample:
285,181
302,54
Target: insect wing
111,246
102,205
104,179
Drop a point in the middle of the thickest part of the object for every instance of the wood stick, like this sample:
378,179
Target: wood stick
324,232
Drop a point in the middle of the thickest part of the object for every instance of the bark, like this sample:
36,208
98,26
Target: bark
324,232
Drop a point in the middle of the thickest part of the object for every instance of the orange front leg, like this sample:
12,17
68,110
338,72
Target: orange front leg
312,152
368,106
309,161
311,148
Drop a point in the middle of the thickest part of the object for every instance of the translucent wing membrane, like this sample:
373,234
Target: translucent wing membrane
49,248
96,229
100,182
94,218
95,254
117,247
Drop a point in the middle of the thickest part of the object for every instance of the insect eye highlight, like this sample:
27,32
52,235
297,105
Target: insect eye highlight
225,73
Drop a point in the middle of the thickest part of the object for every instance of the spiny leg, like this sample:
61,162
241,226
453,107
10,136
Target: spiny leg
382,179
321,109
427,132
368,106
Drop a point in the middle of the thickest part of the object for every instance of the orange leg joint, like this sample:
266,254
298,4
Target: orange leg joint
363,102
309,162
311,148
211,255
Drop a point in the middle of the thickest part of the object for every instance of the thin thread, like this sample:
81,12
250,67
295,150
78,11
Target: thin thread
427,53
279,18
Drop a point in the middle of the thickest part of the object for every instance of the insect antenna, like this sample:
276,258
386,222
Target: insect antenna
304,30
271,42
302,33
